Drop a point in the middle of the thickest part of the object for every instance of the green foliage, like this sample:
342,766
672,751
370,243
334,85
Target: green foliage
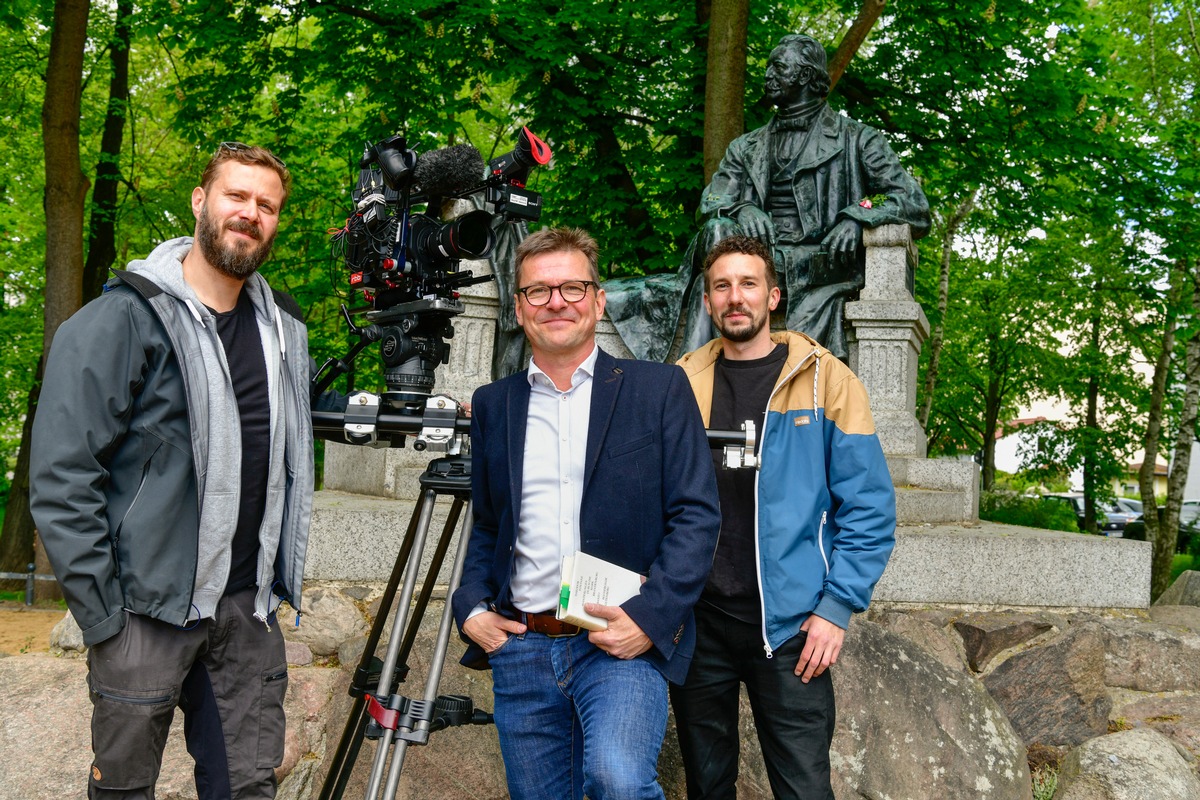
1030,512
1072,118
1029,482
1045,783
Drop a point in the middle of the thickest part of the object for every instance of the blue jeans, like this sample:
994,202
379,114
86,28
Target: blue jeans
573,720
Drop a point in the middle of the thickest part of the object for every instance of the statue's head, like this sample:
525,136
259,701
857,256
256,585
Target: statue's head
797,63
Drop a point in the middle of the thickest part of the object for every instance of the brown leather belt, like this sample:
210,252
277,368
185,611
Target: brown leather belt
548,625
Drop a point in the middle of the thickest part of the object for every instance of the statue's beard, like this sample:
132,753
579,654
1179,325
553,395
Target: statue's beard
239,260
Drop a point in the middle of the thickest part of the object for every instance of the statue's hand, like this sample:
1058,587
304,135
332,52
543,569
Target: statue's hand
757,223
843,242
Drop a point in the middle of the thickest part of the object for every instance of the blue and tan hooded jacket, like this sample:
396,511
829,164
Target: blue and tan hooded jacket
826,509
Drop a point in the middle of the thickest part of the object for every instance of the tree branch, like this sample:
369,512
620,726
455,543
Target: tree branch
868,13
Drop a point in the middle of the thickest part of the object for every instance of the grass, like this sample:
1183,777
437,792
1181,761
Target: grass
1182,563
1045,782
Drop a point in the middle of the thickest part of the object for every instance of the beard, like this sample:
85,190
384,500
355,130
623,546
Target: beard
741,331
239,260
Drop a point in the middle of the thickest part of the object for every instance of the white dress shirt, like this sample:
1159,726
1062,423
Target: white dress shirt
556,432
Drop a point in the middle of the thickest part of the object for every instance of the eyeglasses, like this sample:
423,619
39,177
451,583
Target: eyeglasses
569,291
237,147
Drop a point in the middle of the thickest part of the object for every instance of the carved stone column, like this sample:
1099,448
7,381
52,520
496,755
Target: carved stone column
889,328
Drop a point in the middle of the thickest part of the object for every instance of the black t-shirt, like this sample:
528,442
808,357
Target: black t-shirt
741,390
239,334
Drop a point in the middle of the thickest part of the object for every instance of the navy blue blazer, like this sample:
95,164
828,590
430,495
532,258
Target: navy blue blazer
649,499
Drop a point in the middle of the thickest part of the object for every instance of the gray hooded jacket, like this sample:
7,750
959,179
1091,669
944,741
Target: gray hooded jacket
135,470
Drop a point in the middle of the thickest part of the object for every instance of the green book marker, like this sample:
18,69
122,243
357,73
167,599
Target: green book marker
564,596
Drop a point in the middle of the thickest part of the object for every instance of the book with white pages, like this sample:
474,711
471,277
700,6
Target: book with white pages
587,579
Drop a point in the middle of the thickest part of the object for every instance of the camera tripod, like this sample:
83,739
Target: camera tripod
378,711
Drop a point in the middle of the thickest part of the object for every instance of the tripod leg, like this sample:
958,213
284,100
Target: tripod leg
431,575
352,736
439,653
393,651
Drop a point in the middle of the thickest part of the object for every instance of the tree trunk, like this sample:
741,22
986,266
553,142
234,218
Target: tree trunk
1091,427
66,186
66,191
725,85
991,418
1168,533
939,333
867,15
16,540
1158,390
102,245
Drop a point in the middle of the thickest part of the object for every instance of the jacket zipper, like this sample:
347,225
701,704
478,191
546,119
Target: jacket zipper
136,495
762,446
821,540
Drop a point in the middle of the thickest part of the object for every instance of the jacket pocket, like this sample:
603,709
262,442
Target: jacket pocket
633,445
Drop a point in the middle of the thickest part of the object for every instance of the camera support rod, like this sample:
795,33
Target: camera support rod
391,426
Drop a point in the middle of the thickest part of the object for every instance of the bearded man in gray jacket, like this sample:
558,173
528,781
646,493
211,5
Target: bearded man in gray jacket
171,484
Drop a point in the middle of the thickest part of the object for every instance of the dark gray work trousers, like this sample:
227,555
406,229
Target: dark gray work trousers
228,674
794,720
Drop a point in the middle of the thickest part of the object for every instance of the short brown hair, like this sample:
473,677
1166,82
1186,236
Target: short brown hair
246,154
558,240
746,245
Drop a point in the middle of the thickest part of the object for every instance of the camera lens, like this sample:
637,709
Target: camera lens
468,236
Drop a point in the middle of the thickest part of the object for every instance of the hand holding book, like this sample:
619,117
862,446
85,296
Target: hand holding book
587,579
623,638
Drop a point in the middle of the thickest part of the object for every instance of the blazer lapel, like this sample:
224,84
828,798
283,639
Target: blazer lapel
606,385
518,415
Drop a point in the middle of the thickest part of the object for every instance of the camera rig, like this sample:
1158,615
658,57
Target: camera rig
405,262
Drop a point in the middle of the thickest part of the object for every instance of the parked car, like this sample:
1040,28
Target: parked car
1111,518
1134,506
1189,526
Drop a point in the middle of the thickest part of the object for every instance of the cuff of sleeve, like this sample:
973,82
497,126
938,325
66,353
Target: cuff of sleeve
477,610
834,610
105,629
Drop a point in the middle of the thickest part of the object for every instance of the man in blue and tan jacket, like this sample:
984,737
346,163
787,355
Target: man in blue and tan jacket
804,538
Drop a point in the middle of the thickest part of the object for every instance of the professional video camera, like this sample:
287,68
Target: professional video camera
405,261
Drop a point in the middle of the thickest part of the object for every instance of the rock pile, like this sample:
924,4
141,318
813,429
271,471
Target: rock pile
931,703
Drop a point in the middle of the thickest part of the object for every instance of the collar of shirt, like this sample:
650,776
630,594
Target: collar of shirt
798,118
584,371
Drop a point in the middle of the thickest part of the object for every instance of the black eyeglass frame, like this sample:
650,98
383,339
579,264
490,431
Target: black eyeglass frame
524,291
236,147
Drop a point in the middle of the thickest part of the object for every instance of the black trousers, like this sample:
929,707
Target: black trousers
795,720
228,674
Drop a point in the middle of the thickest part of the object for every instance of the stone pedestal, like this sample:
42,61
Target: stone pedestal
889,328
